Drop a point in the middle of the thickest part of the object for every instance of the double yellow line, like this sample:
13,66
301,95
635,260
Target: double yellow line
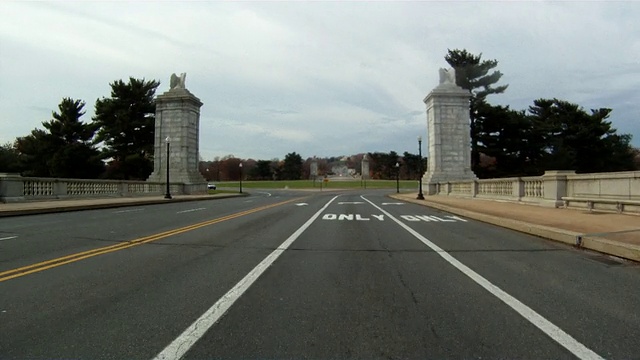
41,266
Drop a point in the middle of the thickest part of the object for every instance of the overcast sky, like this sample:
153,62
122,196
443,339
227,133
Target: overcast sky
317,78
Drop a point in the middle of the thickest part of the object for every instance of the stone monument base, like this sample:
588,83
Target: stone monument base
430,180
193,182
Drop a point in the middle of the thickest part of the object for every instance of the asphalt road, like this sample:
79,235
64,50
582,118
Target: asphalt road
304,275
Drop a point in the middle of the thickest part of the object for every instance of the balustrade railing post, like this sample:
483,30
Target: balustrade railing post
555,186
518,188
60,188
11,187
124,189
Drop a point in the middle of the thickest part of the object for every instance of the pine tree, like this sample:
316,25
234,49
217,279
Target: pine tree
65,150
126,127
472,73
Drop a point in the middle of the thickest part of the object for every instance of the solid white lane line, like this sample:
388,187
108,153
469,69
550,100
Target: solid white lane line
195,331
190,210
127,211
8,238
553,331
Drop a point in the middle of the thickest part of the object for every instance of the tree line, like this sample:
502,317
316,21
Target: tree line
227,168
552,134
118,142
293,167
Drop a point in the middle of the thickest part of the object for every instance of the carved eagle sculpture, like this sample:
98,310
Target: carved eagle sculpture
177,81
448,76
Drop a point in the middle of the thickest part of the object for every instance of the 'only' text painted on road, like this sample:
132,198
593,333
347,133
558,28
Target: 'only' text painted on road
351,217
427,218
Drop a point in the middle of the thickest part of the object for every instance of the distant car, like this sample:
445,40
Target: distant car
211,186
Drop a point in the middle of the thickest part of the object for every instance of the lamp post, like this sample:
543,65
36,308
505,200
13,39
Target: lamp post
240,166
420,195
398,178
168,193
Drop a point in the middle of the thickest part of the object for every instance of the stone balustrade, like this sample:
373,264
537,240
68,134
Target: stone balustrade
15,188
612,192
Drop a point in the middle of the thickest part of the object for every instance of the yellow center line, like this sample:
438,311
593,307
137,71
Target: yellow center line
48,264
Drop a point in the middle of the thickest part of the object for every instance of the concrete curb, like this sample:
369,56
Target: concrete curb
89,206
606,246
611,247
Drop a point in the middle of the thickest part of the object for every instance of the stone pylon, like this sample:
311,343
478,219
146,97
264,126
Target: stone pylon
365,167
448,133
313,169
178,118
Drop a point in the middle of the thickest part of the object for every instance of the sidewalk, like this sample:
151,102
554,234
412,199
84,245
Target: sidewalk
613,234
52,206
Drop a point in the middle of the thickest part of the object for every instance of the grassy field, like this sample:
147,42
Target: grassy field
308,184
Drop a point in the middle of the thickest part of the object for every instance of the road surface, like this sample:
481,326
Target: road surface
287,274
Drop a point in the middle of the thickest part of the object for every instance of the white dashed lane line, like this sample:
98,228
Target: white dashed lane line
127,211
190,210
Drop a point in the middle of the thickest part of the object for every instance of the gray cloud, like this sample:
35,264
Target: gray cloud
317,78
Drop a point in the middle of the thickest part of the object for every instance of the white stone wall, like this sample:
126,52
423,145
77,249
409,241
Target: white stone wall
15,188
613,185
614,192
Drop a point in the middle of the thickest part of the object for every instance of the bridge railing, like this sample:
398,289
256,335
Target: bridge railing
615,191
15,188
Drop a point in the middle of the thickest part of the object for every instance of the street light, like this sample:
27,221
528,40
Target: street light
420,195
397,178
240,166
168,193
